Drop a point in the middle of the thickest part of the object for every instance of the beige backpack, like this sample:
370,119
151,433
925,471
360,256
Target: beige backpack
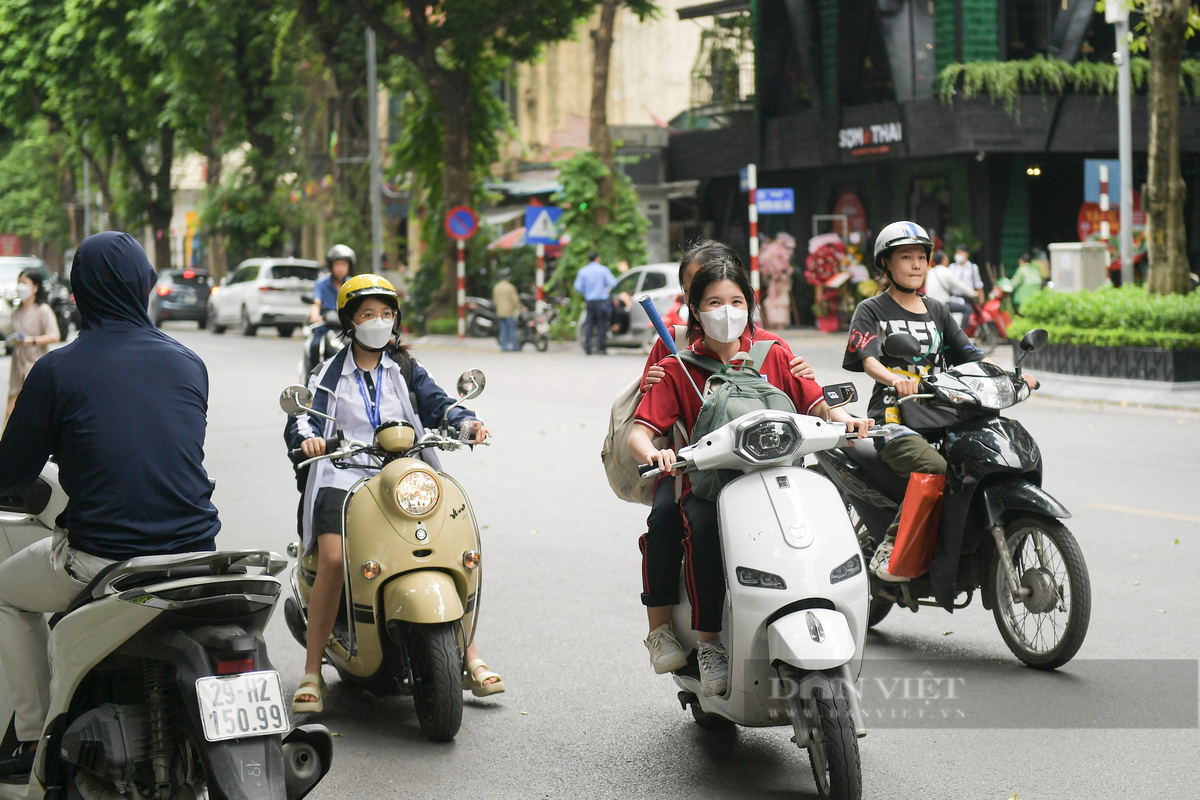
619,464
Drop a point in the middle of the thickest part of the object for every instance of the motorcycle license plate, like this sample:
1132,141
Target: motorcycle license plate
239,706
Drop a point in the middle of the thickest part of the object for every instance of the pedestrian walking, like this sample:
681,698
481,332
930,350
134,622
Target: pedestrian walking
1026,281
34,330
508,306
594,282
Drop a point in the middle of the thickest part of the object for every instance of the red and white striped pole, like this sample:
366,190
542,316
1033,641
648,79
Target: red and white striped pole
541,274
752,183
1104,230
462,289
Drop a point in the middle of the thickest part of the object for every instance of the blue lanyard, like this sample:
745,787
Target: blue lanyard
372,411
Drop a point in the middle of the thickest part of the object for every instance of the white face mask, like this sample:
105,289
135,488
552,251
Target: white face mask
725,324
374,334
24,291
959,258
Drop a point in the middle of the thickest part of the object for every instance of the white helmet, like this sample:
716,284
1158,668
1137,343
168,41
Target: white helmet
899,234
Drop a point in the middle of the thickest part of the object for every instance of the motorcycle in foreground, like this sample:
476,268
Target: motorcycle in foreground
162,686
1000,531
412,560
331,342
796,607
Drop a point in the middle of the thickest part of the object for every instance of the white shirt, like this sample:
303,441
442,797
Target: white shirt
968,273
940,284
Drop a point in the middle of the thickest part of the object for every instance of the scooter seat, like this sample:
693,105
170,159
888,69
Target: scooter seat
148,570
878,473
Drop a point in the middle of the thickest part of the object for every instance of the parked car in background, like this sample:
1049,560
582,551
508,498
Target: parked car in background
180,294
263,292
58,293
661,282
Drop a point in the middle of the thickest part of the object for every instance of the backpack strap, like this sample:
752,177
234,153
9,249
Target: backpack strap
681,337
702,362
758,354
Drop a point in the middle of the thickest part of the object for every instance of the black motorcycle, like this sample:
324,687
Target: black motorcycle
999,530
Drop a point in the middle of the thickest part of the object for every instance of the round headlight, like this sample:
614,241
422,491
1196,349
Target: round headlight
417,493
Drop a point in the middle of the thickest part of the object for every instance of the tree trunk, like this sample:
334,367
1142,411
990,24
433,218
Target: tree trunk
452,90
162,209
1166,234
600,140
214,172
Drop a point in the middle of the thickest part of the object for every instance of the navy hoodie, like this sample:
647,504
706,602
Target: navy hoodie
123,410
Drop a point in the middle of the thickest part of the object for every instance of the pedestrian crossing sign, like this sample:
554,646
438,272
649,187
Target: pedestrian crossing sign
542,225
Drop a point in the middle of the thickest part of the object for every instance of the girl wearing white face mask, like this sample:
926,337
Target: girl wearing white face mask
34,330
721,305
374,380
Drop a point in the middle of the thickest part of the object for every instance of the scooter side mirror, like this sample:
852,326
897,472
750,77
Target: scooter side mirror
902,345
840,394
470,384
1034,340
296,400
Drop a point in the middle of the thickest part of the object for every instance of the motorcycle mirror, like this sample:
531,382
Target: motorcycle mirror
1034,340
840,394
471,383
902,345
296,400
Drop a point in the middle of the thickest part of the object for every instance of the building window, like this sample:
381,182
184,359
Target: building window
1028,24
863,73
723,74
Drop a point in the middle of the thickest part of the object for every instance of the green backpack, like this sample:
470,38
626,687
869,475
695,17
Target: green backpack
730,393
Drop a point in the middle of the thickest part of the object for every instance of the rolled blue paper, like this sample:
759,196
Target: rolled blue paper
664,333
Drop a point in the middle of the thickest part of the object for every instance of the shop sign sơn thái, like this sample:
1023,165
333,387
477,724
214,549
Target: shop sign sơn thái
870,140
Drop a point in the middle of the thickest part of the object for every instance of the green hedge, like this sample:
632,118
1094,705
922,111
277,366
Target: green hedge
443,326
1126,317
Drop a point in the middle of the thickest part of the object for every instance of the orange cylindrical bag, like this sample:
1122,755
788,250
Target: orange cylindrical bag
917,537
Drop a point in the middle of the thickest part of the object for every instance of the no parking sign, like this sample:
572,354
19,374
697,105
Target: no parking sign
461,223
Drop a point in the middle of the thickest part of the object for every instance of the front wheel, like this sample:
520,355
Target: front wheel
823,708
1047,629
285,331
246,327
437,665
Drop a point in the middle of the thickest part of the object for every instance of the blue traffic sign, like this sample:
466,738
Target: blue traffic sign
543,225
461,223
775,201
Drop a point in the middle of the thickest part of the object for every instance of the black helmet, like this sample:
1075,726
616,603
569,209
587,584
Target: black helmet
339,252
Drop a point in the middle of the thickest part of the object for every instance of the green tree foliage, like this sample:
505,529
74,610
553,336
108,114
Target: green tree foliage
622,239
444,41
32,168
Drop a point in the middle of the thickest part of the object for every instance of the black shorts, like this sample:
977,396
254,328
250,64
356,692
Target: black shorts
327,510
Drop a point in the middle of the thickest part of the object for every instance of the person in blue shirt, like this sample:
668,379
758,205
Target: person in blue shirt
123,411
594,282
340,262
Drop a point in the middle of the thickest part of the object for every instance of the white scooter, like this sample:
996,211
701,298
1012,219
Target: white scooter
161,684
795,618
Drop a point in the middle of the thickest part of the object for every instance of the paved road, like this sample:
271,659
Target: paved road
584,716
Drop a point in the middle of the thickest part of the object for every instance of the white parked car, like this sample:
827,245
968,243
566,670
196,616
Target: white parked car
263,292
633,327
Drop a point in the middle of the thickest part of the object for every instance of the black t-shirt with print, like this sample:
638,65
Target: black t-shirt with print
936,330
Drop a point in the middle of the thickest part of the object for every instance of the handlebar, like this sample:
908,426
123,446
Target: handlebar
651,471
332,443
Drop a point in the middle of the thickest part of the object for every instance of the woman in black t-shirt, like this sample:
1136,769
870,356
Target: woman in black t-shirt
902,252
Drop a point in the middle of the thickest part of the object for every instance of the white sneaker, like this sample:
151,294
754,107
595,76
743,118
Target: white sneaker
879,563
665,653
714,668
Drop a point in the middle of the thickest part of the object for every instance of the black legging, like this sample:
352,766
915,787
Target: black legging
684,531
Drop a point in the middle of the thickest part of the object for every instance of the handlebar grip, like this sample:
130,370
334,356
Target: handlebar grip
331,443
889,391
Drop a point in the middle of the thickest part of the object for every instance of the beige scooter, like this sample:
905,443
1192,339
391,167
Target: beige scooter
412,558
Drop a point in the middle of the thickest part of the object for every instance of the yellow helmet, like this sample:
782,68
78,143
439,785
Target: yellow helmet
365,286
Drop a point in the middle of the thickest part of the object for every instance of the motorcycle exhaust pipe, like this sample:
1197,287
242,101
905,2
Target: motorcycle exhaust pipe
307,756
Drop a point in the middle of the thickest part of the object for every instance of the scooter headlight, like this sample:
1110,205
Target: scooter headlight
992,392
846,570
417,493
768,440
757,578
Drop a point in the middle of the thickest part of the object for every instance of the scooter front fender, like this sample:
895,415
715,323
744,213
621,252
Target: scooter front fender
424,597
812,639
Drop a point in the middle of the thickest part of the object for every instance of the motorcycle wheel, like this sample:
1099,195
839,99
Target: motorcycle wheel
437,665
833,744
987,338
542,344
476,328
1048,629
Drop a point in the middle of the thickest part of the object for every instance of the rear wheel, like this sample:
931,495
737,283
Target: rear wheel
246,328
202,323
987,338
542,343
437,664
285,331
1047,629
710,722
216,326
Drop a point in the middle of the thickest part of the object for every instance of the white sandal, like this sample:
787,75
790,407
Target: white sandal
477,685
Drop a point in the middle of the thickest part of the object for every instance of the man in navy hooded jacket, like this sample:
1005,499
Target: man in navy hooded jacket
123,410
